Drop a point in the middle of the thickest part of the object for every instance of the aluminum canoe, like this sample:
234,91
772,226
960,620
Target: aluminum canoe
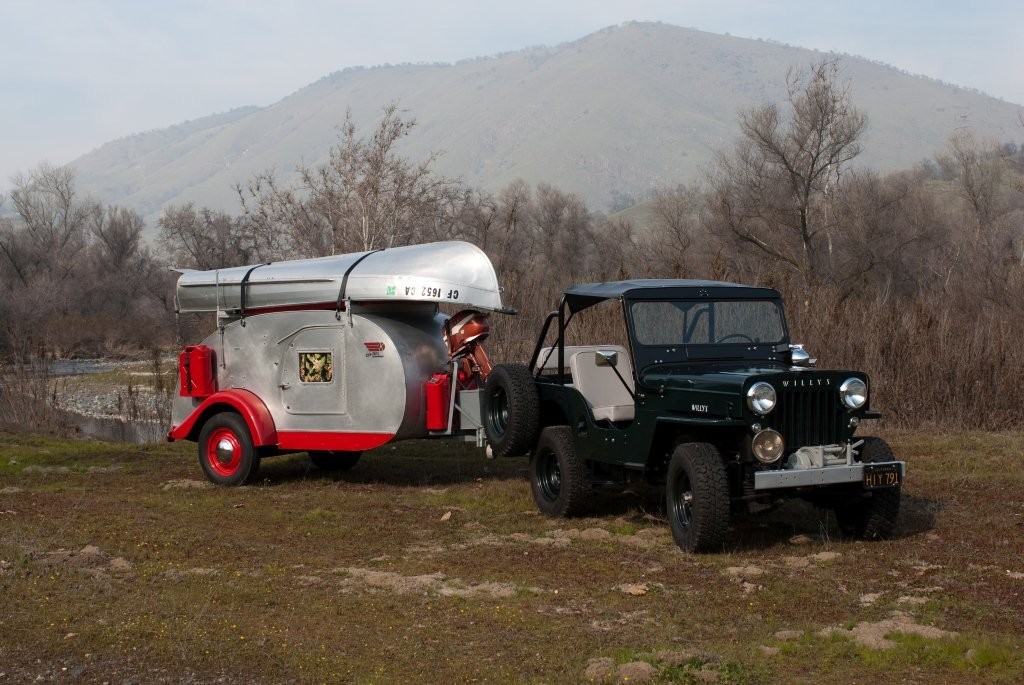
454,271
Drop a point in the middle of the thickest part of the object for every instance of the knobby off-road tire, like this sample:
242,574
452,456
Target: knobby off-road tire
557,475
697,497
511,410
334,461
226,452
873,515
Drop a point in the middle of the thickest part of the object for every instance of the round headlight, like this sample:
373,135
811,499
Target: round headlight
761,398
767,446
853,393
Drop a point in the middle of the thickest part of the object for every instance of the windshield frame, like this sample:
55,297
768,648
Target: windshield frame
658,354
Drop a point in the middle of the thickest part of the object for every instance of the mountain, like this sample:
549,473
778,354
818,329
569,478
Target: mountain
620,111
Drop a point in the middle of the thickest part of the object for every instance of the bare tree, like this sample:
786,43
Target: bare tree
675,223
992,250
980,175
774,191
205,238
365,196
118,236
75,274
53,223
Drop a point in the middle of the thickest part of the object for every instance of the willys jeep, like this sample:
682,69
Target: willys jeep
707,396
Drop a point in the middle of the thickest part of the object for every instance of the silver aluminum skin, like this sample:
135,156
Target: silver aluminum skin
384,346
379,389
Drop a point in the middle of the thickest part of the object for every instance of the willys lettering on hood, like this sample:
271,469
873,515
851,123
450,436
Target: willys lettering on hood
805,382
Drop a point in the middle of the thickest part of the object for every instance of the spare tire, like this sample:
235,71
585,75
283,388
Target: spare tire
511,410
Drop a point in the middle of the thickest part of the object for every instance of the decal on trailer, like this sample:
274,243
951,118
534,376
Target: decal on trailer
374,349
431,292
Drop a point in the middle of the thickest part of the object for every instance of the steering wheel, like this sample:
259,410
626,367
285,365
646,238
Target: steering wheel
742,336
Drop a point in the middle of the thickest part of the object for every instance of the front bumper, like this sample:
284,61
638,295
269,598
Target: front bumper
825,475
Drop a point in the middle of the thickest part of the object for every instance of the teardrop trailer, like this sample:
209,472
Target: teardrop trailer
708,397
333,356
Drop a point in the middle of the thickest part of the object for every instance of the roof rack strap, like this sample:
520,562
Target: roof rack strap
344,281
241,294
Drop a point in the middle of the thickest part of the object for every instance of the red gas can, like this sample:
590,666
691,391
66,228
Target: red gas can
196,371
439,391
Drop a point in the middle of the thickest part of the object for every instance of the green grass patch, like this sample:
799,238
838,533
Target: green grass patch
428,562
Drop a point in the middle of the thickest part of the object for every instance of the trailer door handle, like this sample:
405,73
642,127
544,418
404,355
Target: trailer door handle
285,386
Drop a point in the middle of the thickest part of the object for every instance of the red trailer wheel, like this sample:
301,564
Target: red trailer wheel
226,452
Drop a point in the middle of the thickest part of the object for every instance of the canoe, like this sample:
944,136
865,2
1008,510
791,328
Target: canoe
453,271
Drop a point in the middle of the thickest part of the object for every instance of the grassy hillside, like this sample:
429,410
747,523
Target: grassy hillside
429,563
625,109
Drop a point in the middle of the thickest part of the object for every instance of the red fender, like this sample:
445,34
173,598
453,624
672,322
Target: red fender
257,416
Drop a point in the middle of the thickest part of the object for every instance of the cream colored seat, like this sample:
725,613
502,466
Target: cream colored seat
547,362
608,397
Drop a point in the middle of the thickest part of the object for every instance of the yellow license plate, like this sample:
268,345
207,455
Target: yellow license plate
882,476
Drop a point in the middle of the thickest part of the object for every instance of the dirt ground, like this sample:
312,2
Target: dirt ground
429,563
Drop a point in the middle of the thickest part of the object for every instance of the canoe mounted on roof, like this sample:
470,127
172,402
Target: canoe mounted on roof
455,272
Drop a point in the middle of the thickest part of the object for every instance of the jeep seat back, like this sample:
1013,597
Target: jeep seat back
601,387
547,362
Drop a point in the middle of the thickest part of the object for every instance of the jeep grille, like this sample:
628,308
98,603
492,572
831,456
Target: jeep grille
808,416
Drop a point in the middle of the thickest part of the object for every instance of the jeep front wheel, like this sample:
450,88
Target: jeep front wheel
511,410
872,516
557,477
697,497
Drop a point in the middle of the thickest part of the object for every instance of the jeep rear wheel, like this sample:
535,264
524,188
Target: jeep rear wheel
557,477
511,410
697,497
873,515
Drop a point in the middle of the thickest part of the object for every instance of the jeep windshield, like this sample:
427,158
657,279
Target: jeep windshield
678,331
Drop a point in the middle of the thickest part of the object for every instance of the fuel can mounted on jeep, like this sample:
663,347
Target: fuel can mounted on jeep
334,356
706,396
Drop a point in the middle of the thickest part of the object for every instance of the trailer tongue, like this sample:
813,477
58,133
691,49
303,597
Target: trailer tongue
335,355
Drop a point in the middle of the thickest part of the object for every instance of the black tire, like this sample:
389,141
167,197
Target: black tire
511,410
873,515
334,461
557,477
226,452
697,497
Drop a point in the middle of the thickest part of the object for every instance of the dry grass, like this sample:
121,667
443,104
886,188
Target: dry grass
428,563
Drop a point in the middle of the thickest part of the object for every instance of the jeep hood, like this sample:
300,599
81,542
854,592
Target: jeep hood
710,377
733,377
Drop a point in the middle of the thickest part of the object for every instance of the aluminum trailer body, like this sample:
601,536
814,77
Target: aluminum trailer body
331,356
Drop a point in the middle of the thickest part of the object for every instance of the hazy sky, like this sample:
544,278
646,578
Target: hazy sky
75,74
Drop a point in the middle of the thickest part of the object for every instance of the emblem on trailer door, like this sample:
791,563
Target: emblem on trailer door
374,349
316,367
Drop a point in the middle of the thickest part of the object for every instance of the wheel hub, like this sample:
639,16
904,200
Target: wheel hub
225,451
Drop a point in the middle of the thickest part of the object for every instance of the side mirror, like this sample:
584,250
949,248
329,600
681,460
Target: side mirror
606,358
798,356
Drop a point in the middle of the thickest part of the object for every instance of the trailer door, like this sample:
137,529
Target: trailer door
312,379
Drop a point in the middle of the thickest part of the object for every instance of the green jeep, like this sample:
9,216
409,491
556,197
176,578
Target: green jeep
705,395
